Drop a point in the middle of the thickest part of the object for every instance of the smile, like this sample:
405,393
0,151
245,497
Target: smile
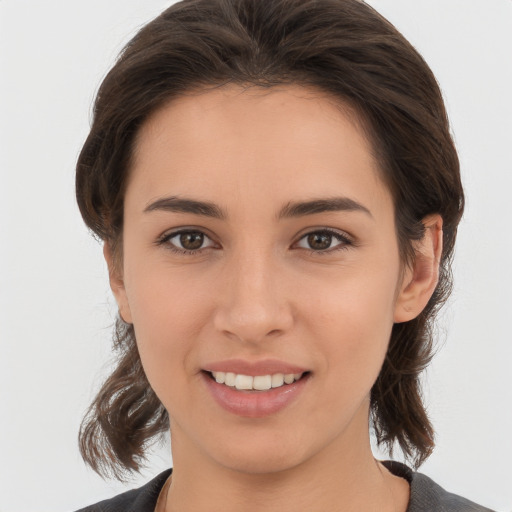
256,383
255,396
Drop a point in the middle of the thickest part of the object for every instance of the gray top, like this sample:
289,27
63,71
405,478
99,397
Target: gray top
426,495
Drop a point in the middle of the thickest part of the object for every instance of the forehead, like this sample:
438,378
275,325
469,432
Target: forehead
232,139
302,111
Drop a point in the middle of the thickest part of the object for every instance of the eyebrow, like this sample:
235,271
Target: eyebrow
291,209
183,205
333,204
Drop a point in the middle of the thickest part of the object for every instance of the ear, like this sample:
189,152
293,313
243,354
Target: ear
420,280
115,274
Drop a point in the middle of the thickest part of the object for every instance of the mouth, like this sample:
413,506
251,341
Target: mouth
255,396
249,383
255,389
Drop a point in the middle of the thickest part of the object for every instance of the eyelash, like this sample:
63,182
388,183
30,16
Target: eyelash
164,240
345,241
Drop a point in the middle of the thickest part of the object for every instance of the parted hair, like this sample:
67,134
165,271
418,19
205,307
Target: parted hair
340,47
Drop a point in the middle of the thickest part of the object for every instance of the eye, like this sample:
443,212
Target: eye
324,240
186,241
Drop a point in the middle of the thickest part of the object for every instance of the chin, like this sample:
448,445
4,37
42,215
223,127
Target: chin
262,458
252,465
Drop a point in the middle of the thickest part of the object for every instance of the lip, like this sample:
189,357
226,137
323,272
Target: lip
254,368
254,404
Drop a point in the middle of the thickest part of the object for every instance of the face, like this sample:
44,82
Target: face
259,249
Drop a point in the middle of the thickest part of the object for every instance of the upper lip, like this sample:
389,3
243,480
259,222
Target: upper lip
254,368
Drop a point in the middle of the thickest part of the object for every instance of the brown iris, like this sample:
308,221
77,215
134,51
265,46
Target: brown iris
319,241
192,240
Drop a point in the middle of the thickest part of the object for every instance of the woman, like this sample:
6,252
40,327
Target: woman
278,194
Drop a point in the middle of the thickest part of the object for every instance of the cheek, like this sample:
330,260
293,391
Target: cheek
168,314
354,322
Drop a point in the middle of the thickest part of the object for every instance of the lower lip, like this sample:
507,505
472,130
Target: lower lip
254,404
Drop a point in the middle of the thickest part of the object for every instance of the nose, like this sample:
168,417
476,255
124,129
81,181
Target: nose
252,305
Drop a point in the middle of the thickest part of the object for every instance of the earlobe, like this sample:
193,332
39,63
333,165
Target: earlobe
420,280
117,286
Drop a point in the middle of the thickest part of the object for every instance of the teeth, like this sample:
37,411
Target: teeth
262,382
259,382
229,379
243,382
277,380
289,378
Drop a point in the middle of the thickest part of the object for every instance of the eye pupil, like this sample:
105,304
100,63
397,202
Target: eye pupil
191,241
319,241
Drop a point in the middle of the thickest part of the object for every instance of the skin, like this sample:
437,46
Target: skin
257,289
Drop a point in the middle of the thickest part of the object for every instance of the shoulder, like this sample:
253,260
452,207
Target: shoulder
142,499
426,495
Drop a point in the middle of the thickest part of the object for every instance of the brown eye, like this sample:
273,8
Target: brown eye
187,241
324,241
319,241
191,241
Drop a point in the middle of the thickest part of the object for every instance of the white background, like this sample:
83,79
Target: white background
55,306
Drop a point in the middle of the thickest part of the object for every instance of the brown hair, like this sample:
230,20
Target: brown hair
342,47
